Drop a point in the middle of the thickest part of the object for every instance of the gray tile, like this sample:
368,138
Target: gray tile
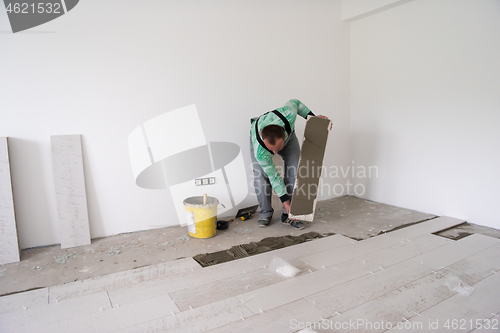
71,196
9,245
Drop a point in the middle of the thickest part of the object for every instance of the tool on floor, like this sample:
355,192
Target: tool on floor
222,225
246,217
246,213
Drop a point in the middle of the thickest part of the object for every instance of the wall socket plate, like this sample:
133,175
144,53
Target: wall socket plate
204,181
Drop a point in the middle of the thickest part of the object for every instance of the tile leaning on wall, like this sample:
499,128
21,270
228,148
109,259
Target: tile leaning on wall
70,190
9,245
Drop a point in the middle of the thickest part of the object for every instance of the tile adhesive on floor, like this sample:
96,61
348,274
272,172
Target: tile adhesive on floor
253,248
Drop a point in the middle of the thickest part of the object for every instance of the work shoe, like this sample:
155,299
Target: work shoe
296,224
264,221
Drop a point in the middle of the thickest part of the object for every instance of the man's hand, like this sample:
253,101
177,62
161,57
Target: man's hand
286,204
325,117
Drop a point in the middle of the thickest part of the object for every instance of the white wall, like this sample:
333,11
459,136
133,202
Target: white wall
425,106
106,67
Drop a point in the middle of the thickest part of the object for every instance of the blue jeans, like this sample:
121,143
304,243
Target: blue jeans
290,154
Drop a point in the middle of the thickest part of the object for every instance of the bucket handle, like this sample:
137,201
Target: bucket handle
222,205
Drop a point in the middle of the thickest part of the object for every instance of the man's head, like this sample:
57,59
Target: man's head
273,137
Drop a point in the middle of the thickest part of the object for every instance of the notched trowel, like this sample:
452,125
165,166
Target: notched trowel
246,213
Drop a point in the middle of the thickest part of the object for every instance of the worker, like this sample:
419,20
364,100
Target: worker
274,133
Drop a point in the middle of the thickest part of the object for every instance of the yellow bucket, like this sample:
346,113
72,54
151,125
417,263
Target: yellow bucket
201,216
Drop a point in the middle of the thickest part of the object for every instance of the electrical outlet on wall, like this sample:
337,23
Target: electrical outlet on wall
204,181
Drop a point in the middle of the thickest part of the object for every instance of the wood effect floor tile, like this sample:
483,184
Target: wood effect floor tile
397,307
140,292
217,290
488,326
347,252
427,227
368,317
489,257
484,299
442,318
392,255
469,271
348,295
17,301
185,279
317,282
232,286
122,280
47,315
461,249
344,272
134,313
199,319
291,290
286,318
116,318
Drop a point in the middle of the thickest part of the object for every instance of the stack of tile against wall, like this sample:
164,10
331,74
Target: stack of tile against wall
67,158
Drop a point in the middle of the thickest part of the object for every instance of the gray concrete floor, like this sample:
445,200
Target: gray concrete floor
49,266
